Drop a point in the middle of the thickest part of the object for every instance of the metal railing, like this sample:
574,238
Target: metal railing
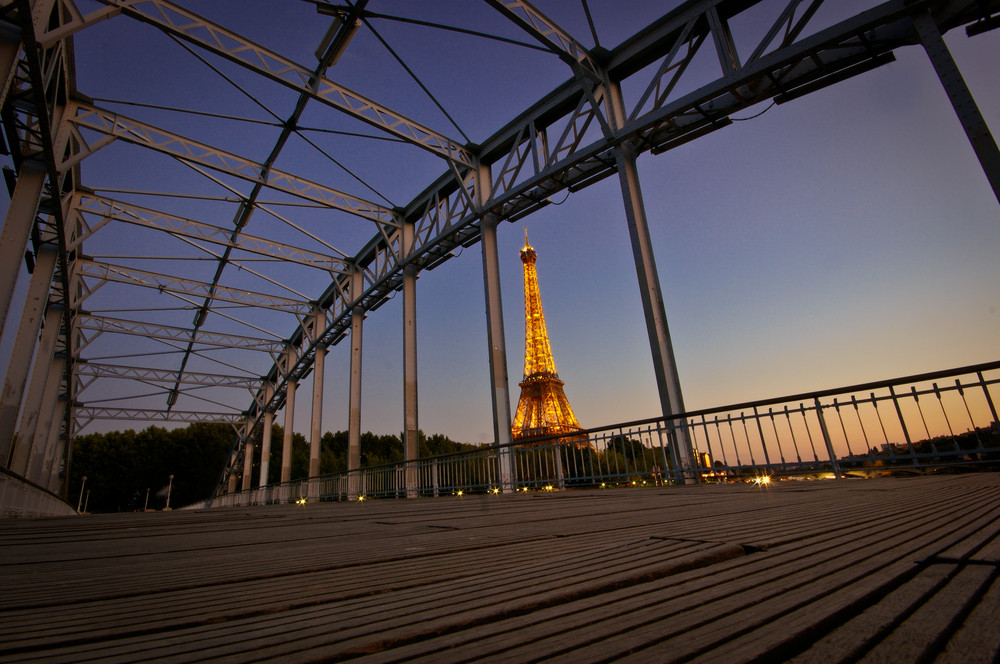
946,419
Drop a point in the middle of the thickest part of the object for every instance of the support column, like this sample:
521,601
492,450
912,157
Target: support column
286,441
668,383
500,392
43,448
232,481
265,438
410,445
265,449
16,228
24,347
248,449
354,400
24,445
316,428
961,99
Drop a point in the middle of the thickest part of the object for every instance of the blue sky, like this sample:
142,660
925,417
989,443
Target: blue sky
847,236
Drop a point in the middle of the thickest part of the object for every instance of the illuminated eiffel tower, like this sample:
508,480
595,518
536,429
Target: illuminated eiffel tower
543,408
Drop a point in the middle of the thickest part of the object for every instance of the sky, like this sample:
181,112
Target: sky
845,237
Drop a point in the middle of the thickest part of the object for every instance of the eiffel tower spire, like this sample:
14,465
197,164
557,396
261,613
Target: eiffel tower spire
543,408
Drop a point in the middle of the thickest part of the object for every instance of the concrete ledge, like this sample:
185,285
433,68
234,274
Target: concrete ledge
20,498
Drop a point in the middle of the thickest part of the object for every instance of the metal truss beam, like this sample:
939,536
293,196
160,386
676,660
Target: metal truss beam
103,324
115,126
107,209
105,273
93,370
187,25
87,413
549,34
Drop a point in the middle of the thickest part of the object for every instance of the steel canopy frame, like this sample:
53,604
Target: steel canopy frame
566,141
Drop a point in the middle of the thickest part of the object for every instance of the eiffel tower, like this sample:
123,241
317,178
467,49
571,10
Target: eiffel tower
543,408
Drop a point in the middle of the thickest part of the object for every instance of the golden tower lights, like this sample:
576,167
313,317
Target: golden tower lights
543,408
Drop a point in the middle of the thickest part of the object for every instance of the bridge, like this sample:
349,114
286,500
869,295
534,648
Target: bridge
135,303
204,210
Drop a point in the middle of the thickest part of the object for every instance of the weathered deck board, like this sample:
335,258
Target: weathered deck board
881,570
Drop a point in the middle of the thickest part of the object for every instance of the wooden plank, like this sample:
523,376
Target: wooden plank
528,577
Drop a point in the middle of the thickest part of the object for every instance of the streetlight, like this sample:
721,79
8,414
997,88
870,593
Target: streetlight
146,505
170,486
80,500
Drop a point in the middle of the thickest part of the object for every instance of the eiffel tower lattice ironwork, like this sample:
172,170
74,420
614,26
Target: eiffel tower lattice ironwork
543,408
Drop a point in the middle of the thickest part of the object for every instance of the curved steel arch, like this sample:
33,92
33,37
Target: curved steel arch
569,139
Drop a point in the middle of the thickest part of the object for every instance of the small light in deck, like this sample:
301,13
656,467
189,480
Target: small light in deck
361,499
459,493
301,501
549,487
495,490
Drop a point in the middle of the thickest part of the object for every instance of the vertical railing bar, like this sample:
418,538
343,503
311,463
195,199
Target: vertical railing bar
951,432
777,438
718,431
834,463
847,439
916,400
902,423
746,433
763,443
732,436
805,422
708,441
864,434
975,429
791,432
989,398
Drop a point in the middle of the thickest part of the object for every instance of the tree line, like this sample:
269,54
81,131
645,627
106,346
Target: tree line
124,469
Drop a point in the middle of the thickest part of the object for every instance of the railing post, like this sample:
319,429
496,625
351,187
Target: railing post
834,463
557,453
902,423
989,398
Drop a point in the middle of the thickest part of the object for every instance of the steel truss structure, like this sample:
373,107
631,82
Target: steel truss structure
578,133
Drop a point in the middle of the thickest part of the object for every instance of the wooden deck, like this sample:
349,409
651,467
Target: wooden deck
881,570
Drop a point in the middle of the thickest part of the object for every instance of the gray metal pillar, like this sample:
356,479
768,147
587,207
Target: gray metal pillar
248,450
265,449
316,424
24,348
961,99
500,392
354,400
265,437
232,482
58,480
24,446
43,450
16,228
664,366
286,441
410,443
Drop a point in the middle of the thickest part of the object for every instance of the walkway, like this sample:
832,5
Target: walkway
891,570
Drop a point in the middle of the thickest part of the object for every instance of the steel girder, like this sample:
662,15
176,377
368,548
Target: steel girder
563,142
